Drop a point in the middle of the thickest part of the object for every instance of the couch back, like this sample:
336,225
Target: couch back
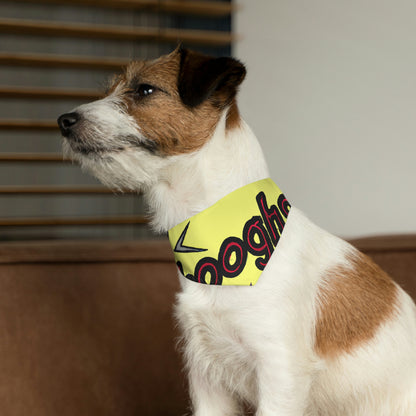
86,328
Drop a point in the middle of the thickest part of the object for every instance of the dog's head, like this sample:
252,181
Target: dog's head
154,111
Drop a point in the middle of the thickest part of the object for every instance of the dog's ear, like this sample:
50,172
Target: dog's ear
202,77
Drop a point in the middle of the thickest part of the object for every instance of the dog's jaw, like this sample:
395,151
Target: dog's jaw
190,183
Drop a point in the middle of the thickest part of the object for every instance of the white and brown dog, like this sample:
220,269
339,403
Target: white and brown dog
324,331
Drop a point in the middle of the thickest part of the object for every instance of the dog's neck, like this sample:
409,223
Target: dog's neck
191,183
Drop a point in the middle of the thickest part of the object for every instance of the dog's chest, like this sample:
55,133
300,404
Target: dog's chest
214,342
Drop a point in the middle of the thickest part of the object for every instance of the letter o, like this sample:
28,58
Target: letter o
229,246
211,266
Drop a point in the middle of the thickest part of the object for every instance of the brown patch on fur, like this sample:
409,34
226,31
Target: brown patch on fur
113,83
162,117
233,116
354,302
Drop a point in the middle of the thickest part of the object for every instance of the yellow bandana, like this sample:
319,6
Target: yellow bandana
231,242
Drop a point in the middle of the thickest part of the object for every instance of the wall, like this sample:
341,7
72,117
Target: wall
331,95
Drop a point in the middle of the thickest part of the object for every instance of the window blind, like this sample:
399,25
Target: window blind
55,55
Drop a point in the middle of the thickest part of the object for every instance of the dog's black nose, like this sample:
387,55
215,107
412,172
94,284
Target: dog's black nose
67,121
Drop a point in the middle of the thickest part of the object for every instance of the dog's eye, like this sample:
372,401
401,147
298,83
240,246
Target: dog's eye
143,90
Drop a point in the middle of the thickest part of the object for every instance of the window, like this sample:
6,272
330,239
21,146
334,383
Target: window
55,55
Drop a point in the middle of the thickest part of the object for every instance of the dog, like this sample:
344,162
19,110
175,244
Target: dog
323,331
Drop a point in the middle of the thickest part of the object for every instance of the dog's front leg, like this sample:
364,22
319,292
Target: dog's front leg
283,386
210,399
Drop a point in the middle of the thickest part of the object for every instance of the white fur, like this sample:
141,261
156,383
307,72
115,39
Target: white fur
108,123
257,343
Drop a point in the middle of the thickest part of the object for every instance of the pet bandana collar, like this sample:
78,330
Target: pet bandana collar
231,242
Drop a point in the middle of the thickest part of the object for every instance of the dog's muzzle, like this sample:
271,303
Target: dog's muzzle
67,123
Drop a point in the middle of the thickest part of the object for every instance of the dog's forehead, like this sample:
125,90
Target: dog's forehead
162,72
